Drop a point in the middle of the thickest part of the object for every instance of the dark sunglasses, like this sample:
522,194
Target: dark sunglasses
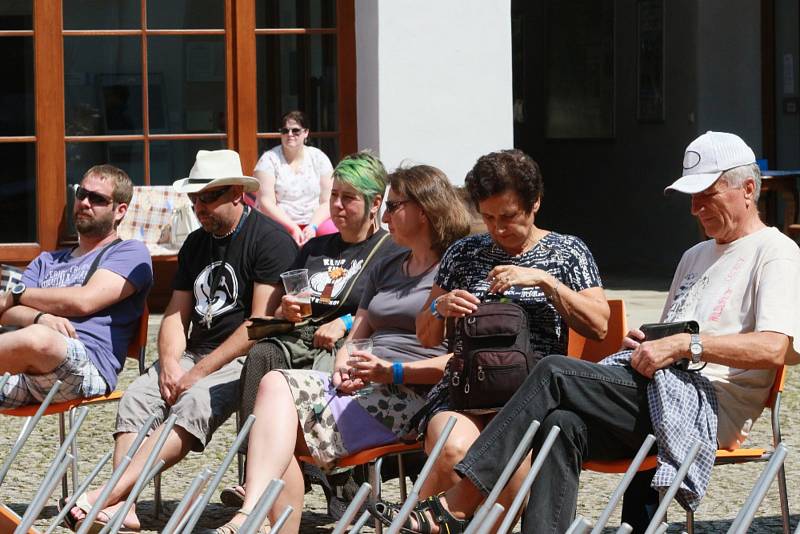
95,199
393,205
294,131
208,197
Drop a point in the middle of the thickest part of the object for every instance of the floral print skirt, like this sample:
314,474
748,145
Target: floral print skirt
336,425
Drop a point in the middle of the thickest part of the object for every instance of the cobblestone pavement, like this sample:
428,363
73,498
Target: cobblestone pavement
729,485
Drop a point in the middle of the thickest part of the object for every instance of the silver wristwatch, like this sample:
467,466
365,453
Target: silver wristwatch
696,348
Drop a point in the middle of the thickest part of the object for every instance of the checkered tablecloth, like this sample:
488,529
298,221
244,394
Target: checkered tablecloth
149,216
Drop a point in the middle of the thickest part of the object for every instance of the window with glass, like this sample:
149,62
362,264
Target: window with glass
17,124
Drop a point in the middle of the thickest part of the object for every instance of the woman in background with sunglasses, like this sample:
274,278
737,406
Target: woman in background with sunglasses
295,181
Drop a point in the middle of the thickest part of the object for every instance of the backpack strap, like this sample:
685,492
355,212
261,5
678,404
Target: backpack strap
96,261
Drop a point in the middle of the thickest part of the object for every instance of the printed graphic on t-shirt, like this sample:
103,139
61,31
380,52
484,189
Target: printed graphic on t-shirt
72,275
225,295
327,285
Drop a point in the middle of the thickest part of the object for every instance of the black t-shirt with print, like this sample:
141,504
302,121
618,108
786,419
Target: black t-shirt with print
333,264
259,252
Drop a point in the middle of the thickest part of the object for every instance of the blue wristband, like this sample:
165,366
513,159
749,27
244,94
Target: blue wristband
434,311
348,321
397,372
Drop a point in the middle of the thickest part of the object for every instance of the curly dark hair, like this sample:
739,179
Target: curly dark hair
502,171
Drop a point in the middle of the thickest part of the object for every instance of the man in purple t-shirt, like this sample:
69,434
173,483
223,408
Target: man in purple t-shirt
77,308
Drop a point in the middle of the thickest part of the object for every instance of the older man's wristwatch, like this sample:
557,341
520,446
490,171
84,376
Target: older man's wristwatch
695,348
16,293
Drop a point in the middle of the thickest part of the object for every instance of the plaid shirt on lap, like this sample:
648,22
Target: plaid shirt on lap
683,410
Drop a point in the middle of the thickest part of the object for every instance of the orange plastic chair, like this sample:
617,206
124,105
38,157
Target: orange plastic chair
136,351
373,458
594,351
9,521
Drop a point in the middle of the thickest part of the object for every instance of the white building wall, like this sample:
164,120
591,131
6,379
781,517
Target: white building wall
434,81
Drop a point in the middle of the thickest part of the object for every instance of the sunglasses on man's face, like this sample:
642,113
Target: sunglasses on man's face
95,199
293,131
208,197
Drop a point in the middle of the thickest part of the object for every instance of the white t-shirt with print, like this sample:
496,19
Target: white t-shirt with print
749,285
297,193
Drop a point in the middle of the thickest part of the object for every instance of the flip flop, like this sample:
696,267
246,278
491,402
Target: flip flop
82,502
232,497
69,521
100,521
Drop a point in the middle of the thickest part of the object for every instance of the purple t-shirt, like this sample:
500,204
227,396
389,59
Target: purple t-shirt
107,333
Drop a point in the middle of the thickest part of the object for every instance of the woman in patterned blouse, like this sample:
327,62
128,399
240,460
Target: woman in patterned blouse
552,276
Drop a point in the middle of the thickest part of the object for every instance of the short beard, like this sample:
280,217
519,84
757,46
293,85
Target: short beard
94,227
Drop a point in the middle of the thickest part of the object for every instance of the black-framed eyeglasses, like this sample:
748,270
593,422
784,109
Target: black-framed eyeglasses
393,205
95,198
208,197
293,131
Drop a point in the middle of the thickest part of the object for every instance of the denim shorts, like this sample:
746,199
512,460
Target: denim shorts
79,379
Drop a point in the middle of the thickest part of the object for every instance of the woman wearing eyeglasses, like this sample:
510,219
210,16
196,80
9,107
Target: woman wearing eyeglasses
371,397
295,181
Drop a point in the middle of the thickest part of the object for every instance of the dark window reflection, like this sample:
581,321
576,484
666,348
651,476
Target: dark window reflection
295,13
172,160
297,72
329,145
18,193
128,156
103,85
16,89
102,14
186,14
16,15
187,84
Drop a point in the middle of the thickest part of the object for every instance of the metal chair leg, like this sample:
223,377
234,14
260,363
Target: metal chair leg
74,452
401,474
374,471
159,506
62,435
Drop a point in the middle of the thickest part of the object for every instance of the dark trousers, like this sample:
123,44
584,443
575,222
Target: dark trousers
602,412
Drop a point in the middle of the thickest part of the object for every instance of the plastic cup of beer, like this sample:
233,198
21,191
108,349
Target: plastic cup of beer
296,285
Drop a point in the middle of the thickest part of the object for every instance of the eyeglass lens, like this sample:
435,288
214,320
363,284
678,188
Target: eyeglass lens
294,131
96,199
209,196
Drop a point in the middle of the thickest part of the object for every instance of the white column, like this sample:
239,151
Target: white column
434,81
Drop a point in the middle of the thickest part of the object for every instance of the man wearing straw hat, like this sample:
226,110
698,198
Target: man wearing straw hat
227,271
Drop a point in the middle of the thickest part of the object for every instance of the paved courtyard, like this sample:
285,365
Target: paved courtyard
729,486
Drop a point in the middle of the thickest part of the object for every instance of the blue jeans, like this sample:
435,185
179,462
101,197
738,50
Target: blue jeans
602,412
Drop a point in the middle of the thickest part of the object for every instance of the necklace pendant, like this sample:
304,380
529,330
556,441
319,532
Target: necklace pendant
207,318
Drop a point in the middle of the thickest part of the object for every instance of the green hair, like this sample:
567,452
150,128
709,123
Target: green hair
363,172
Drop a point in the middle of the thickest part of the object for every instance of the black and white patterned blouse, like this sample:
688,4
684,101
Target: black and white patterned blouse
467,263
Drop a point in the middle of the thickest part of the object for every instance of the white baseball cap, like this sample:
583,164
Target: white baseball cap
707,158
215,168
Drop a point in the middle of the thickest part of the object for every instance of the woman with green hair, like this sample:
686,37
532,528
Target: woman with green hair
336,265
378,386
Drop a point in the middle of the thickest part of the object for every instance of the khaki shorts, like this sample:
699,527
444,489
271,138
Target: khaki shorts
200,410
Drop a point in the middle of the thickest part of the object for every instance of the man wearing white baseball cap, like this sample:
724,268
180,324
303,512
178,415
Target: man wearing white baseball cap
742,287
227,271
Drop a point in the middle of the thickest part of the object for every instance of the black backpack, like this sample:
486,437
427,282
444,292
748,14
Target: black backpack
492,356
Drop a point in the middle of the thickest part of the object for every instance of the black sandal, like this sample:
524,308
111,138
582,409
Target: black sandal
387,512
